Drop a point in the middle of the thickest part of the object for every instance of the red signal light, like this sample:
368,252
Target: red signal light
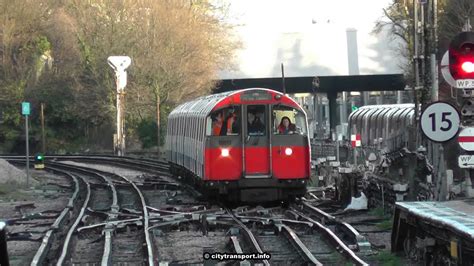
468,67
461,56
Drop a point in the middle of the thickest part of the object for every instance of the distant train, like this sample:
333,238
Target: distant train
249,145
375,122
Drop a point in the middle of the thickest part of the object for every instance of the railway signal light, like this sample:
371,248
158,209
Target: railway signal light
461,56
39,161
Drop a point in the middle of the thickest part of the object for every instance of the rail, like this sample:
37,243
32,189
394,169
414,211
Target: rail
334,239
298,244
248,233
108,245
42,251
362,243
71,230
106,258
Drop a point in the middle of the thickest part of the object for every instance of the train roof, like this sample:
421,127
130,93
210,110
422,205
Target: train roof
208,103
368,110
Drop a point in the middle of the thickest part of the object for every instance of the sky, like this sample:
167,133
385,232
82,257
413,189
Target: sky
308,37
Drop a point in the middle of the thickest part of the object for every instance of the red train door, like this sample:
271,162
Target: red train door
256,141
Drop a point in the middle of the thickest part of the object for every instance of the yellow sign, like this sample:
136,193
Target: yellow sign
454,249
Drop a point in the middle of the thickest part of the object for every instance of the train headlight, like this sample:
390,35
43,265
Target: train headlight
288,151
225,152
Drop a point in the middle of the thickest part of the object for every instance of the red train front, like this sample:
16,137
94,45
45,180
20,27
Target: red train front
247,145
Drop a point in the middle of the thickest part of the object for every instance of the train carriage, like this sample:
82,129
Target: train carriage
248,145
375,122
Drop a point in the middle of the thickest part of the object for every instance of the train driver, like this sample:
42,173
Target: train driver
286,126
255,124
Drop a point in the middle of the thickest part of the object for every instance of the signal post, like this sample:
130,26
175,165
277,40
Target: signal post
25,110
458,71
120,64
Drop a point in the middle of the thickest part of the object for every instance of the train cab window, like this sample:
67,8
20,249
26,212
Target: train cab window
287,120
256,120
224,122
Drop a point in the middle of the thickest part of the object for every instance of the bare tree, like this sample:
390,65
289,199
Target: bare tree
177,48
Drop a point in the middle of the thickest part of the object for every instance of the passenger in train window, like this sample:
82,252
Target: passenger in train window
286,127
255,124
232,125
217,124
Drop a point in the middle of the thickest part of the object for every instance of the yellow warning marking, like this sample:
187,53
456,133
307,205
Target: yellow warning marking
454,249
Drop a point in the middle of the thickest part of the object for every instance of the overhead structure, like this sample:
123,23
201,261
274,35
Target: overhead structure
326,84
331,85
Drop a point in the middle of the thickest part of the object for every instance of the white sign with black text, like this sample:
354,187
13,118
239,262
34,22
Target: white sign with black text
440,121
466,161
465,84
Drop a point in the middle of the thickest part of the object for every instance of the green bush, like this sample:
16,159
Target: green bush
147,133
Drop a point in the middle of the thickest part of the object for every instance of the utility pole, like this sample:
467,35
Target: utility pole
120,64
434,51
283,87
43,139
417,87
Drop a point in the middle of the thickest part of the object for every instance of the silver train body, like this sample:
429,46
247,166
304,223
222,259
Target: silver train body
376,123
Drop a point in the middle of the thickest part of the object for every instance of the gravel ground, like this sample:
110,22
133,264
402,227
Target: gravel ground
188,247
10,174
128,173
16,200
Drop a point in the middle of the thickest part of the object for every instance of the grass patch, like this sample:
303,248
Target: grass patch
379,212
14,192
386,258
385,225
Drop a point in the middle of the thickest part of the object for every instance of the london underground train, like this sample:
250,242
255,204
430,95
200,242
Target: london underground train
248,145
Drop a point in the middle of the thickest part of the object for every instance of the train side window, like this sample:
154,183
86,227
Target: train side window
223,122
287,120
208,126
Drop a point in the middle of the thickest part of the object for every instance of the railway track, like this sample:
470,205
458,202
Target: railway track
93,244
179,228
127,197
292,237
292,241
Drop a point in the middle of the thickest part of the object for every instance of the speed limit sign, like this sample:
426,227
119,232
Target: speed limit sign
440,121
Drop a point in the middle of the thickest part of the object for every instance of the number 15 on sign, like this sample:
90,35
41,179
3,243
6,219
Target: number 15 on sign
440,121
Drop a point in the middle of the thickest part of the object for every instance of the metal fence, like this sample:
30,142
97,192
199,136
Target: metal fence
323,149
